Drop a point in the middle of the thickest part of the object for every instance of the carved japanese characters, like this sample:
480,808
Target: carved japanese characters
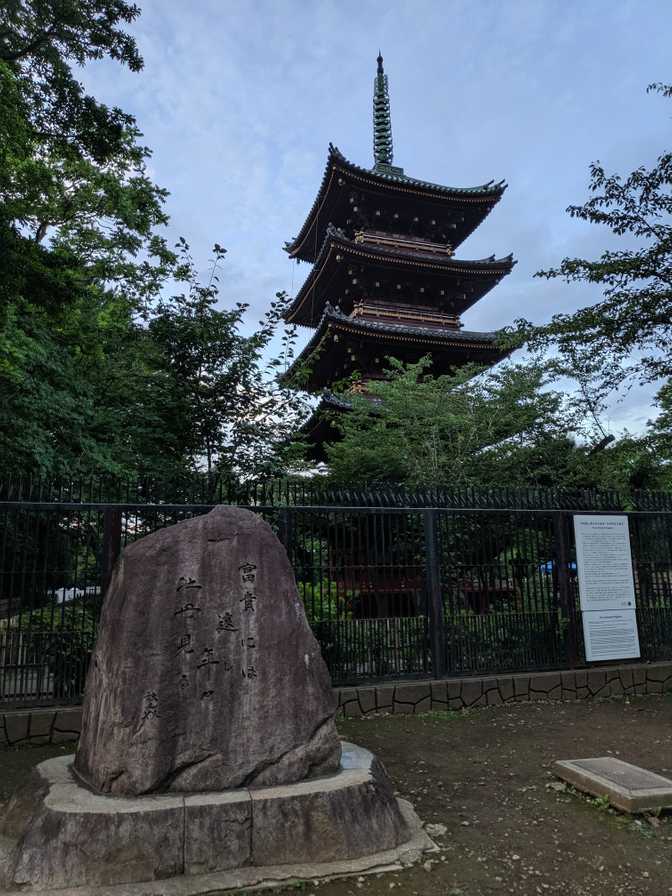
206,674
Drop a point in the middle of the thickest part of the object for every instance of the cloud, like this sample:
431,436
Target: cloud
239,100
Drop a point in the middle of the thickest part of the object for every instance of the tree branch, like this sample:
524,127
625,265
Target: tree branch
29,48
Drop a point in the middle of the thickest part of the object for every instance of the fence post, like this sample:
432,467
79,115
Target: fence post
111,544
285,528
434,597
566,598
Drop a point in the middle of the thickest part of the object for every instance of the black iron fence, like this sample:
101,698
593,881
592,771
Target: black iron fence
424,588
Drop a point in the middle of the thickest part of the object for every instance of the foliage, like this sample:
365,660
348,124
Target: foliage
502,427
470,427
625,337
63,374
658,444
325,601
79,251
228,409
60,636
80,181
100,369
73,616
88,387
506,641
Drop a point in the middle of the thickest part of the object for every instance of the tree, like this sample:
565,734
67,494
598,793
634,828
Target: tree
499,427
79,183
88,388
80,255
659,437
627,336
502,427
39,39
229,413
83,390
101,370
631,463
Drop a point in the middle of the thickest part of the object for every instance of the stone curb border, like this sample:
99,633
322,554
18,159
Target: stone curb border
40,726
62,724
468,693
271,876
59,835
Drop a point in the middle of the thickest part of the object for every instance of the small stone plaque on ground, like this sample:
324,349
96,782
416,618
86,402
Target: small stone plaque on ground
627,786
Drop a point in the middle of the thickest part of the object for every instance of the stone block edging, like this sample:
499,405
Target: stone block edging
495,690
62,724
348,815
40,726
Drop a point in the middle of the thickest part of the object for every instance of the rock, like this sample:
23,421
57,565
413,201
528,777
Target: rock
331,822
72,847
58,835
436,830
208,749
557,786
206,675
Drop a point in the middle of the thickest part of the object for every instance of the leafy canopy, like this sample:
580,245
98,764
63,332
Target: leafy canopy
74,173
502,427
101,369
229,413
472,427
627,336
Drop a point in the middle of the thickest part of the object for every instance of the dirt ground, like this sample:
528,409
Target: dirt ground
485,775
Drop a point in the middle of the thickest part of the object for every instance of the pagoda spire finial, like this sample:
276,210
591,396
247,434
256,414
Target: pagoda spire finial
382,123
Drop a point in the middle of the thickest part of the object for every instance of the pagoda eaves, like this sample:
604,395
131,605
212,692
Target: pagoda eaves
353,268
351,196
320,427
343,345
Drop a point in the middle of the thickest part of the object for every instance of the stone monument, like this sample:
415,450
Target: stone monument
206,675
209,756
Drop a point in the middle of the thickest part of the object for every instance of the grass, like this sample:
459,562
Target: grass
644,824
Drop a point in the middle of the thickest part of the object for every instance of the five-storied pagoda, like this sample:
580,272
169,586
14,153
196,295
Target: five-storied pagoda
385,282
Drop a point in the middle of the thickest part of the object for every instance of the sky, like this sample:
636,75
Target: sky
239,100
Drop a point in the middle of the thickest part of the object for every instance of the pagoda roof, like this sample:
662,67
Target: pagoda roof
319,427
311,299
449,347
385,179
330,401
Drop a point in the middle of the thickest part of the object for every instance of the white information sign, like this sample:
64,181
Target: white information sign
606,587
604,562
610,635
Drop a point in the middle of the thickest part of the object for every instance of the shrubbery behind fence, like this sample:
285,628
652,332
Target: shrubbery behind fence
395,584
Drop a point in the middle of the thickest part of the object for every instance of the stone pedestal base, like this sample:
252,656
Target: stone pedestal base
57,835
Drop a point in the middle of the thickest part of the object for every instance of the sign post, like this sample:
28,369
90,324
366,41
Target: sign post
606,587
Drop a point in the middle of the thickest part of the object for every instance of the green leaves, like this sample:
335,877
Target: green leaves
626,337
504,426
633,321
41,39
99,369
229,413
72,172
473,427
